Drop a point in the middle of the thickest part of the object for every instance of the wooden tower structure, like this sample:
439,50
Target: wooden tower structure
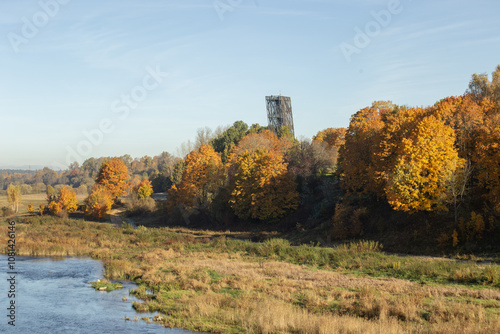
279,113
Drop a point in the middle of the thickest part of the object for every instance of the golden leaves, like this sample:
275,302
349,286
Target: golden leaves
113,176
99,202
262,188
426,161
200,180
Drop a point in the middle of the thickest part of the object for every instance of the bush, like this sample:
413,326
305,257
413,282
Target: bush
138,206
6,211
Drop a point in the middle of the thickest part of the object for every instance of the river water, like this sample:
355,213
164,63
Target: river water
54,296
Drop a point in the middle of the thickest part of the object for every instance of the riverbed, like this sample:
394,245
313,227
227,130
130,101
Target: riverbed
54,296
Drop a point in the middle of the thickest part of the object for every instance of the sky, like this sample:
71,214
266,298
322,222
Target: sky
85,78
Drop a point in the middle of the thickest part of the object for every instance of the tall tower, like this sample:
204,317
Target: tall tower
279,113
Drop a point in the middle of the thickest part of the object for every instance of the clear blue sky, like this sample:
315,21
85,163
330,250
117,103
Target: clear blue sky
65,69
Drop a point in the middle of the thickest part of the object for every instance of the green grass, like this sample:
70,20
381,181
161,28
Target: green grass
105,285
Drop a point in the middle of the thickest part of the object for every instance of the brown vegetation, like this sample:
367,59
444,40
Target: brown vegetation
225,286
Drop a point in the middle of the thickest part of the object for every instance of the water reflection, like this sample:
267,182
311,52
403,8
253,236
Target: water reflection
54,296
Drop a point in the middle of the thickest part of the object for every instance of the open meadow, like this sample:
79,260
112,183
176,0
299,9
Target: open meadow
219,284
35,199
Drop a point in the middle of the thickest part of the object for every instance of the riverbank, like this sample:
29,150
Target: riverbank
232,286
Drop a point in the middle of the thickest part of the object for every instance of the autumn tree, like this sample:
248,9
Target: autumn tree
54,208
397,125
201,179
426,161
31,208
487,158
144,189
262,188
264,140
466,116
14,196
113,176
67,199
356,155
41,209
99,202
333,137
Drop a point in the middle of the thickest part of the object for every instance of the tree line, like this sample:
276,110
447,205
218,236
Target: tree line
439,163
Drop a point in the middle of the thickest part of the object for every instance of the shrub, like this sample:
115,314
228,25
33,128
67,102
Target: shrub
7,211
98,203
138,206
54,208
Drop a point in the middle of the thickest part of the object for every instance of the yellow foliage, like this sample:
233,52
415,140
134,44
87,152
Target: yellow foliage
426,161
200,180
54,208
261,187
14,196
144,189
31,208
397,126
41,209
98,203
67,200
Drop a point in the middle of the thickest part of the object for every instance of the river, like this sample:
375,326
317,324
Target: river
54,296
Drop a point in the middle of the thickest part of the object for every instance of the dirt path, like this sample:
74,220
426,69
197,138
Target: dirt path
117,218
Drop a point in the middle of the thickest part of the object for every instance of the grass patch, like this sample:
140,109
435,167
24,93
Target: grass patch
105,285
216,284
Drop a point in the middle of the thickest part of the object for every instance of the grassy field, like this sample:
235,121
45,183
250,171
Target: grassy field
35,199
213,283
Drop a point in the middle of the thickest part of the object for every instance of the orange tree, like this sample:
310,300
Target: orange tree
200,181
98,203
426,161
113,176
356,155
261,186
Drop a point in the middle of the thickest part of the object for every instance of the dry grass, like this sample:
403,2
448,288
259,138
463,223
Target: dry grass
209,289
35,199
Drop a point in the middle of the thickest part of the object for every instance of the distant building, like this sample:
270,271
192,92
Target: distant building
279,113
